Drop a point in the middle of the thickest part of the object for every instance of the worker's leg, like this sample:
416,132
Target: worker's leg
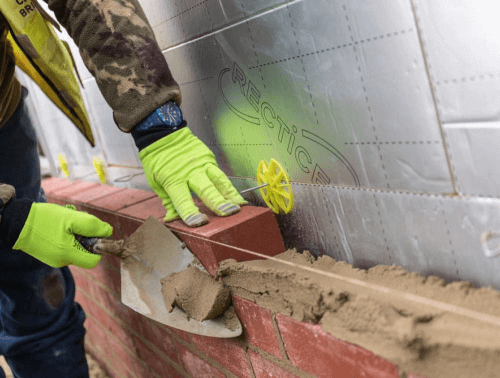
41,327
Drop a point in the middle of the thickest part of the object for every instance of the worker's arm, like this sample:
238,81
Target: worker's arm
119,48
47,231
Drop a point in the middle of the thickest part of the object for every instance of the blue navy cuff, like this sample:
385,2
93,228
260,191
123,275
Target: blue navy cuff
163,121
143,139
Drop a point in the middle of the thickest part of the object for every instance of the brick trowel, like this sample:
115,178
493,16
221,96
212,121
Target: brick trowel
150,254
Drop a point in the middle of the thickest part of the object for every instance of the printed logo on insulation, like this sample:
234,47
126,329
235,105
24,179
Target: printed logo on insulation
246,101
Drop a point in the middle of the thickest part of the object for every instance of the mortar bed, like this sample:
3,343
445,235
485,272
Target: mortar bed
417,337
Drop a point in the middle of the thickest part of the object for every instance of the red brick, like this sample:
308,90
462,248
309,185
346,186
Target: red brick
111,354
107,276
95,193
159,338
106,299
97,355
253,228
128,226
227,352
86,301
56,201
413,375
120,200
95,335
266,369
155,361
126,362
119,310
258,325
90,337
82,282
143,210
319,353
111,261
185,335
83,300
67,193
196,367
111,325
53,184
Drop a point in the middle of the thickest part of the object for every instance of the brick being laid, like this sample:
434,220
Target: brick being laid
253,228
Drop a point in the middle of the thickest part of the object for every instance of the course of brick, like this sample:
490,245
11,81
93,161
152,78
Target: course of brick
131,345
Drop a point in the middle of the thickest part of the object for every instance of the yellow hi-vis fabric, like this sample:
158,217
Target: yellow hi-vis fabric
43,56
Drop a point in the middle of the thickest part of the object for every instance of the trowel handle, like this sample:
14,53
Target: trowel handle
87,243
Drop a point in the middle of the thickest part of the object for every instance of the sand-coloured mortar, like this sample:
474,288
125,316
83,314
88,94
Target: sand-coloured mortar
196,293
417,337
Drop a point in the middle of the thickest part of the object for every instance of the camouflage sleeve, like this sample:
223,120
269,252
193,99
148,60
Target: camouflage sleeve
119,48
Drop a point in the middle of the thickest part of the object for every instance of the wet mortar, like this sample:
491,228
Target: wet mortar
420,339
196,293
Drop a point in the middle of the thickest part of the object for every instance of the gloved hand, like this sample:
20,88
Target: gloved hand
179,163
49,235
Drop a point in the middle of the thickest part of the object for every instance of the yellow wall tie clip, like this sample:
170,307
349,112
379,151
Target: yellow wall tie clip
274,187
277,194
63,164
100,169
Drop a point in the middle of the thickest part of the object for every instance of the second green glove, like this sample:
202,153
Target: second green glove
180,163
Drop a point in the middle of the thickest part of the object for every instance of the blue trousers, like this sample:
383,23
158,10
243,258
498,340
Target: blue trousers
41,326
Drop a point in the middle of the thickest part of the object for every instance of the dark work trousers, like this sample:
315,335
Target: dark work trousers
41,326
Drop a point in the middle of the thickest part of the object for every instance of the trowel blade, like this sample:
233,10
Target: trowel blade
159,253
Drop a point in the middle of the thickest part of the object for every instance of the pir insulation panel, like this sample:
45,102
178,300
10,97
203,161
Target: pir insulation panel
460,40
384,114
367,147
334,102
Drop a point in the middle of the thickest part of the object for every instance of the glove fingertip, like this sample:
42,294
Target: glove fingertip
107,230
101,229
89,262
93,265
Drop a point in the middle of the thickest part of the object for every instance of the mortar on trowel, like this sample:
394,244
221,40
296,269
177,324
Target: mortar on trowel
163,280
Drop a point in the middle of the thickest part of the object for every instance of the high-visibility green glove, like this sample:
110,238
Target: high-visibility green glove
180,163
49,235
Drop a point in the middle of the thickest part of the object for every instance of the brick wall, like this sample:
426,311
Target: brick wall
131,345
